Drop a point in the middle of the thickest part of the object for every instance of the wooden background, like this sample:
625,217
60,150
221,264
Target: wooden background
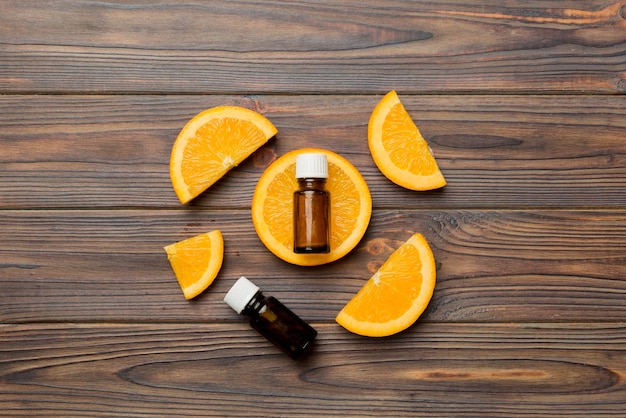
523,104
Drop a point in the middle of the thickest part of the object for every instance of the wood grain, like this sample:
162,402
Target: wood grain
206,369
333,47
522,104
530,266
495,151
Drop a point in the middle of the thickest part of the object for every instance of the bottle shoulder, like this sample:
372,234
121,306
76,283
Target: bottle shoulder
313,184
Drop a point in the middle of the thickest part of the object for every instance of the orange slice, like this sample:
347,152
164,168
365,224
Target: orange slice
272,208
398,148
212,143
196,261
396,295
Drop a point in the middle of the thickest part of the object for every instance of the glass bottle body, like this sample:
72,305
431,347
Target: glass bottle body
311,204
279,325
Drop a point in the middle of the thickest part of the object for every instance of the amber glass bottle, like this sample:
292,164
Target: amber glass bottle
311,205
271,318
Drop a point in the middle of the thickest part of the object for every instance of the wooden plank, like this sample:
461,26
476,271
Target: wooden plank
495,151
337,46
493,266
223,369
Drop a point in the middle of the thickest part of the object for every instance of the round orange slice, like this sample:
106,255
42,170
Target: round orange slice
212,143
196,261
398,148
272,208
396,295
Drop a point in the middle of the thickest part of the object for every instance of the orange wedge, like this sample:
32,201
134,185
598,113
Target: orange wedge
212,143
272,208
396,295
196,261
398,148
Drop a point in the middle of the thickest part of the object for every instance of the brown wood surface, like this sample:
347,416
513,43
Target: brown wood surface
522,103
224,370
313,46
496,151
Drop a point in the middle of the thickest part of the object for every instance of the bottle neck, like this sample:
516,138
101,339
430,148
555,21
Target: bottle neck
312,183
255,306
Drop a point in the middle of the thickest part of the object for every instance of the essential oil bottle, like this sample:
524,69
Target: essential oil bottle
311,205
271,318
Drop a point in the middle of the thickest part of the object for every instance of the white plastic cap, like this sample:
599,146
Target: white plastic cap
240,294
311,166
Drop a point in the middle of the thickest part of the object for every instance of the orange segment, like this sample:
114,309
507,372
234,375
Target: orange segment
212,143
398,148
196,261
396,295
272,208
